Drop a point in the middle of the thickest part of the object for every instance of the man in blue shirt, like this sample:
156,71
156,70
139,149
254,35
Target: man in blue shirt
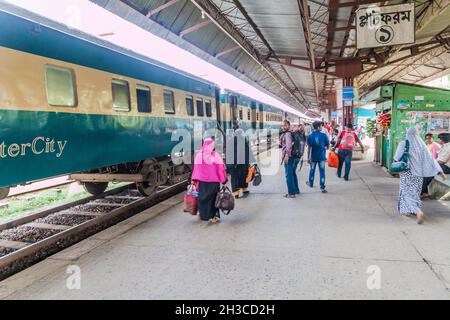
318,143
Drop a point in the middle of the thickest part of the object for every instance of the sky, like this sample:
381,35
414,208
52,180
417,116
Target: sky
90,18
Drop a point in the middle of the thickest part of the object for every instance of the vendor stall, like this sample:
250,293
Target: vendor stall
401,106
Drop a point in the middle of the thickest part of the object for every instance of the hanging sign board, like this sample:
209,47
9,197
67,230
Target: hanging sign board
348,93
385,26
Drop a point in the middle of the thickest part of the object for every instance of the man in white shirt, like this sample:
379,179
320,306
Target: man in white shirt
325,130
308,129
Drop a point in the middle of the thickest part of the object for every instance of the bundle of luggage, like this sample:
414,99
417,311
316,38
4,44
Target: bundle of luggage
254,175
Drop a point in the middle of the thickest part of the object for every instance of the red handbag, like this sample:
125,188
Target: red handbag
190,200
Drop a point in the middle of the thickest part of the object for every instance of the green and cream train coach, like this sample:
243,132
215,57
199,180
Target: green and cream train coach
73,104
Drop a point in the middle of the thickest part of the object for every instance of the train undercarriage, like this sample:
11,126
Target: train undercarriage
148,175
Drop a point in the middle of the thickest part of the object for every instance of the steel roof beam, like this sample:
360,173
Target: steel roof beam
291,57
336,5
401,71
334,29
306,24
404,58
290,64
224,52
194,28
161,8
435,67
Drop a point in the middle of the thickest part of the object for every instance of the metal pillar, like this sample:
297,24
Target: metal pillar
348,110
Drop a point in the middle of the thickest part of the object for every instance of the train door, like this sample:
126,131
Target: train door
261,116
253,112
218,110
233,109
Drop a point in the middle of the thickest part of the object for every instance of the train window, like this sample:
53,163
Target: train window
144,98
208,107
200,109
121,95
61,87
190,106
169,102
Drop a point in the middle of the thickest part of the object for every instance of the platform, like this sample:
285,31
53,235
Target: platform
317,246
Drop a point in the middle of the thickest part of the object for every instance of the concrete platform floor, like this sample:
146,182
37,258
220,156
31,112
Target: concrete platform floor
317,246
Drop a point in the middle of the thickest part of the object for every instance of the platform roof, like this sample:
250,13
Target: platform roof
291,47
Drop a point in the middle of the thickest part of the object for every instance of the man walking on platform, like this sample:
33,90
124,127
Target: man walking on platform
318,143
346,144
288,160
298,147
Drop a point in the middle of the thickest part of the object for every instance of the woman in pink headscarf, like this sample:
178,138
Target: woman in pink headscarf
209,172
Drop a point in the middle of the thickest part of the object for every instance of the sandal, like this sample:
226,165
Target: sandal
289,196
215,220
425,196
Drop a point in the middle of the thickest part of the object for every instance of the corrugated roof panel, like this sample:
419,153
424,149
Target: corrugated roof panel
146,4
279,24
178,17
207,38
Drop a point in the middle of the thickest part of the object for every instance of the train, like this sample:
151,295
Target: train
72,104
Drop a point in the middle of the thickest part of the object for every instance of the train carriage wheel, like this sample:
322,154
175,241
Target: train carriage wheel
146,188
151,170
4,193
95,188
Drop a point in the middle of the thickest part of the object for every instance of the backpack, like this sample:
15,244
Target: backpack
298,145
348,141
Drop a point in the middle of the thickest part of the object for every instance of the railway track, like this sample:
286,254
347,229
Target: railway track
53,186
28,240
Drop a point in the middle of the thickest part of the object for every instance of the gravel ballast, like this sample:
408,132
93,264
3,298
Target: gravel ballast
6,251
65,219
27,234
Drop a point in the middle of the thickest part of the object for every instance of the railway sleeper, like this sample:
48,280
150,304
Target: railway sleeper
48,226
16,245
80,213
104,204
